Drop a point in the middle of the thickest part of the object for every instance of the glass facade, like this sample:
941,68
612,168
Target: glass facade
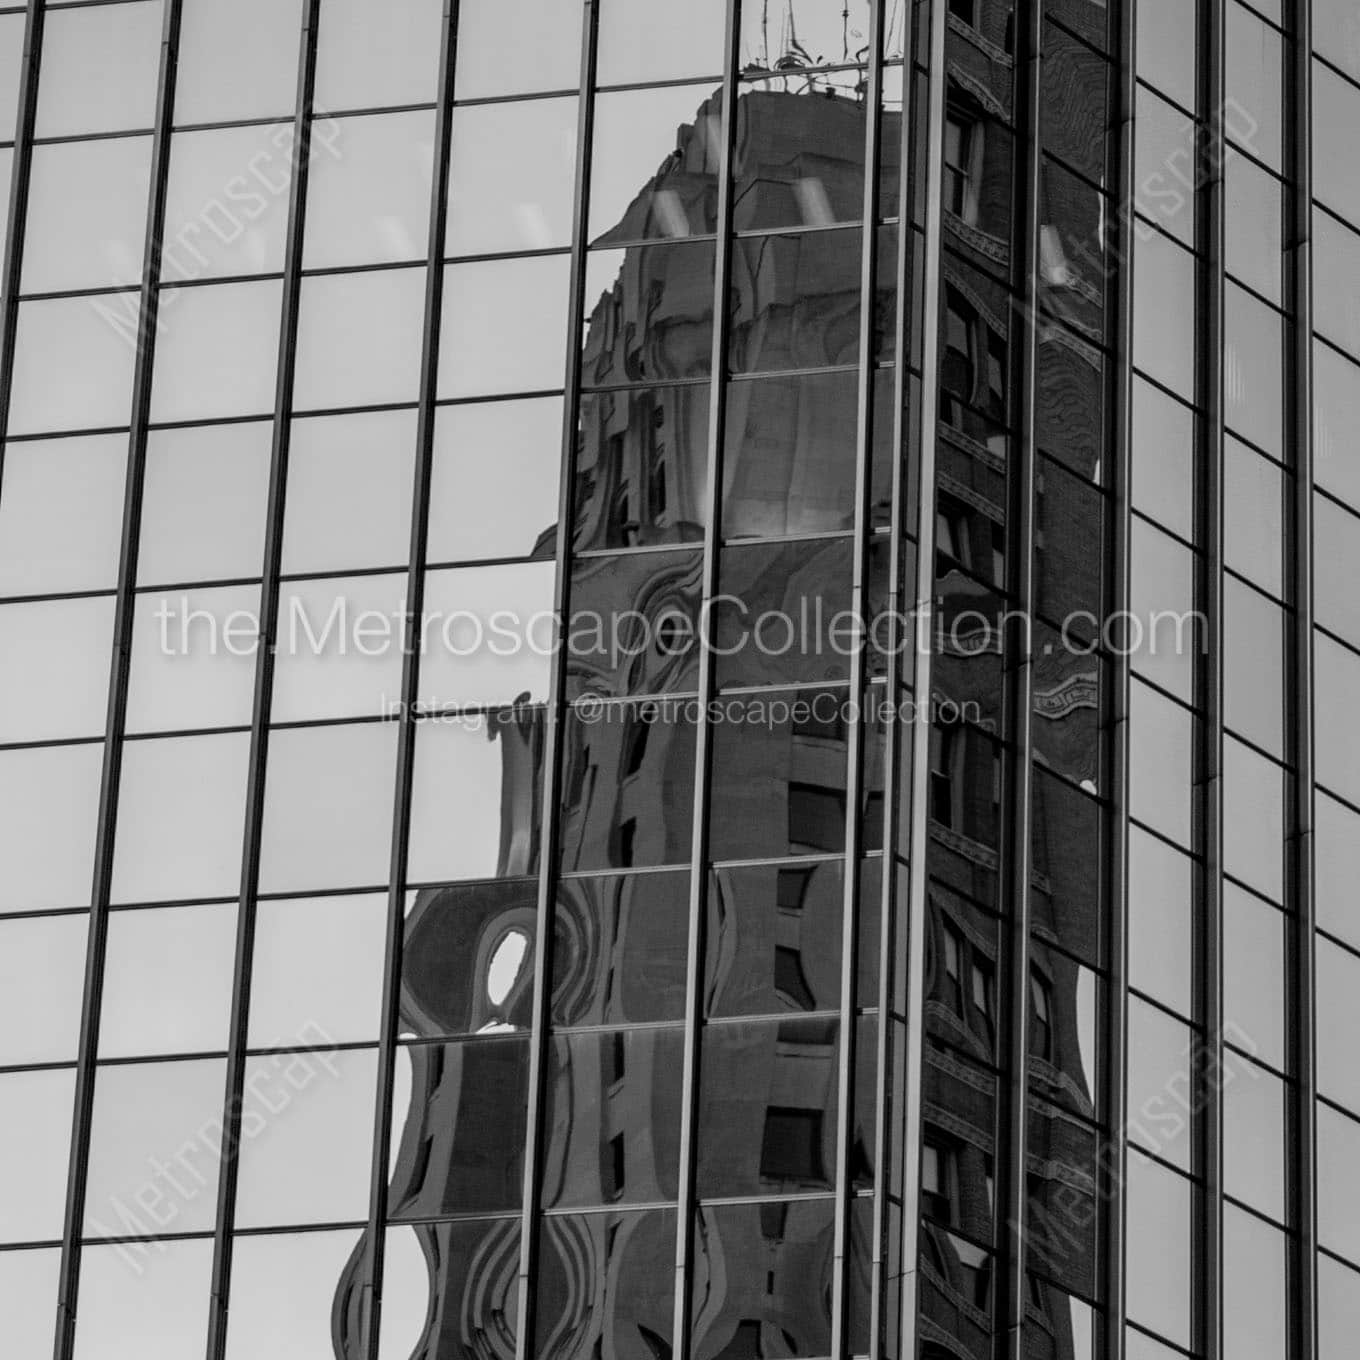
674,681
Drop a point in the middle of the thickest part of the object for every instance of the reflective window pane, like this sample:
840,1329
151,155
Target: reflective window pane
1253,975
28,1294
1337,682
1163,458
54,663
1336,410
494,58
1160,763
649,40
1337,1158
1253,379
1159,1250
1336,34
1253,518
1253,819
1164,312
1336,110
372,53
1254,664
1166,49
1251,215
1338,1001
1336,257
238,60
35,1135
1254,1136
1338,868
158,1312
42,969
1338,1308
1162,595
1255,1281
1164,150
1253,113
1160,952
1337,543
11,63
1161,1055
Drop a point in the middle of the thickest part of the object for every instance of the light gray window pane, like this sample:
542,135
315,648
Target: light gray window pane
1162,596
1336,35
61,515
158,1312
307,1159
1164,312
1253,819
1336,685
359,339
203,503
238,60
1138,1346
651,40
1336,409
11,59
495,59
42,972
193,660
1253,516
1336,267
49,800
1253,112
372,53
1339,1183
73,362
505,327
1255,1280
1252,226
1163,458
1336,114
226,202
1253,360
35,1140
491,635
6,167
180,814
349,491
1164,165
635,132
1253,1124
54,668
339,645
168,975
328,808
28,1295
1159,1093
1253,663
468,520
1253,975
1338,868
1159,1257
1160,950
368,194
217,351
99,69
1166,49
1160,763
155,1148
301,997
87,215
1338,1004
1337,539
282,1292
1338,1309
512,173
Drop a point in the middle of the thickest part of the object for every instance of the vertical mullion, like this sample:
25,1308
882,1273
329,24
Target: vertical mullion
1209,385
121,662
262,700
1303,1021
11,268
855,761
556,716
925,428
1019,675
370,1311
686,1202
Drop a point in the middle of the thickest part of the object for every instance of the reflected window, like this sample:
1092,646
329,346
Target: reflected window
939,1180
1041,1017
984,997
962,161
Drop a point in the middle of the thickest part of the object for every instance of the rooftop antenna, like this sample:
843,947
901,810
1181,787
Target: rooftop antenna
845,32
765,31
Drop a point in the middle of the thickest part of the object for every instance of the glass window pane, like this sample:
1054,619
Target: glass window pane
328,807
1338,1304
61,515
87,214
492,211
1339,1205
193,660
359,339
307,1129
168,979
1251,214
297,997
368,193
54,674
1336,34
35,1138
1162,596
1253,664
1255,1280
1337,539
282,1292
203,503
1254,1123
1253,112
1166,49
157,1312
650,40
469,519
1159,1254
42,969
1253,975
504,327
1164,312
1253,819
349,492
99,69
1160,763
238,60
1338,1003
1160,951
1338,869
1336,110
28,1295
1253,378
1337,268
1161,1055
1336,409
372,53
155,1148
1337,683
49,801
11,64
217,351
495,59
226,202
181,813
73,362
1164,151
1163,458
1253,528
